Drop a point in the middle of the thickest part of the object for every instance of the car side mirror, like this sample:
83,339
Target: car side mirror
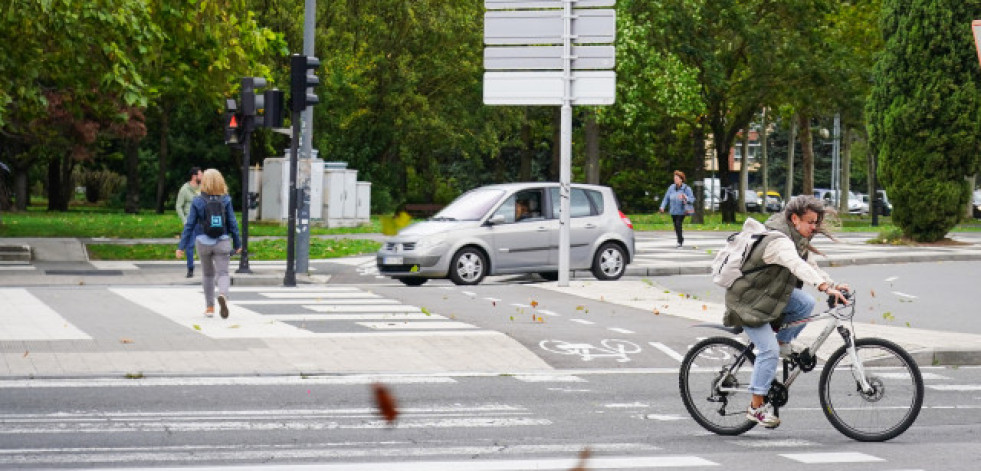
496,219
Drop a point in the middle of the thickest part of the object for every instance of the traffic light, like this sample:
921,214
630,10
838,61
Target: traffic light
252,102
233,123
301,80
272,117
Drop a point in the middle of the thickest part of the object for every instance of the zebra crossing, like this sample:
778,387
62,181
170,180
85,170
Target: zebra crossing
262,312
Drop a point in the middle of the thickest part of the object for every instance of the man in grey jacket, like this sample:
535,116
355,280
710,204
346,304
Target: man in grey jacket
770,293
188,191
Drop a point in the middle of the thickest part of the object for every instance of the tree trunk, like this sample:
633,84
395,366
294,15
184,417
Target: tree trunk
791,148
131,150
845,173
527,150
807,153
22,194
727,203
698,161
162,165
969,209
59,190
743,170
592,134
765,165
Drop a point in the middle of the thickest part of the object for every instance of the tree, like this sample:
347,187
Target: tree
923,114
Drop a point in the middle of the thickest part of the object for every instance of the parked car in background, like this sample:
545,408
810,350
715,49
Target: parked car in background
976,204
829,198
884,204
774,202
754,202
512,228
866,202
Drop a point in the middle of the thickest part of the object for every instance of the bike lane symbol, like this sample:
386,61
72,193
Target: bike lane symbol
608,348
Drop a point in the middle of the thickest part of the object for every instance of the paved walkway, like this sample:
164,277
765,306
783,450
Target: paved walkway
156,329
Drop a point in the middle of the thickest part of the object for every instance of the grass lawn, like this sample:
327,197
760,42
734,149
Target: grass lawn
97,222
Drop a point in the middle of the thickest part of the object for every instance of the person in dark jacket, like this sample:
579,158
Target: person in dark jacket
213,252
679,199
770,293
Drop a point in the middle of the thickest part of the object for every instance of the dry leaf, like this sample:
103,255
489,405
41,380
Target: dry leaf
656,312
534,304
705,307
125,341
196,327
494,303
26,352
873,293
385,402
583,457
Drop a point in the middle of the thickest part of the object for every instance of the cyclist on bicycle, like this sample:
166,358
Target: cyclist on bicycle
767,297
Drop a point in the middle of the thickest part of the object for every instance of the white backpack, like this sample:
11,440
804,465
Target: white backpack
728,263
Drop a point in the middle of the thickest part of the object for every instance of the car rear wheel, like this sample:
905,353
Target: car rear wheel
610,262
468,266
414,281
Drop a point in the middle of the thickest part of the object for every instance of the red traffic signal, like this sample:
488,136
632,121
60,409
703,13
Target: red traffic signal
232,128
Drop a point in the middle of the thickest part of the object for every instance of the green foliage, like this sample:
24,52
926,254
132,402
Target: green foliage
923,112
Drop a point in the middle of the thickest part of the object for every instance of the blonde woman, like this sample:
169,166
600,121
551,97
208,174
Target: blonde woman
215,242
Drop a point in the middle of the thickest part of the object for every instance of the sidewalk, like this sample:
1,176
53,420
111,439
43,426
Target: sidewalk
190,347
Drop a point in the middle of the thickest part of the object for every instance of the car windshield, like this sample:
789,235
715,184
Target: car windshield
470,206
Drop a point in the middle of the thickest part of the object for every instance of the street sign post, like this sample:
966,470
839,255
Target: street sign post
564,61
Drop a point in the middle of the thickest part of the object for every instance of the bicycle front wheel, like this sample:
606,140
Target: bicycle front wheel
713,374
893,402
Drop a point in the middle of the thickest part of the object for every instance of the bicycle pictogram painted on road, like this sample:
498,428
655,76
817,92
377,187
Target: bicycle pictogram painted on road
608,348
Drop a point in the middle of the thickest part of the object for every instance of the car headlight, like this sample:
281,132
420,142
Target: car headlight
429,243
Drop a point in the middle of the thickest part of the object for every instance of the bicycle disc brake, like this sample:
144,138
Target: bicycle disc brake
778,394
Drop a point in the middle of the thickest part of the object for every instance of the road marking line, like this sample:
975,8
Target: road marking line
548,313
823,458
582,321
416,325
493,300
621,331
549,379
319,295
904,295
25,317
667,351
352,309
955,387
395,316
277,302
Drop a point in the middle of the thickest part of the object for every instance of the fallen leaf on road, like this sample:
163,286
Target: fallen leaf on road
26,353
534,304
873,291
656,312
385,402
705,306
196,327
125,341
583,457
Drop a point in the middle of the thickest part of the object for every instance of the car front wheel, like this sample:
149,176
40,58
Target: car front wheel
610,262
468,266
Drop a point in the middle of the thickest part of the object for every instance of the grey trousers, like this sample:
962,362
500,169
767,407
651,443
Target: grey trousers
214,264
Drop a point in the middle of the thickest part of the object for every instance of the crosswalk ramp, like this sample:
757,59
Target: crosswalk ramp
267,312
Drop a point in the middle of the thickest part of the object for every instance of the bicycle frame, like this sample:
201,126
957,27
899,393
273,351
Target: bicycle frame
839,314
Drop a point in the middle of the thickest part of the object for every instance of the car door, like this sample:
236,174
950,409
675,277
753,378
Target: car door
585,225
521,241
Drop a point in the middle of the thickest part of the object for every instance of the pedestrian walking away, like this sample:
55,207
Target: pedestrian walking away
769,293
679,199
188,191
211,227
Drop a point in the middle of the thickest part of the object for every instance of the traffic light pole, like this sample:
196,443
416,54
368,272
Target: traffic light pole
243,263
290,278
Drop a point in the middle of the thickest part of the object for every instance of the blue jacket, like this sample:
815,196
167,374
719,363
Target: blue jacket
192,227
677,207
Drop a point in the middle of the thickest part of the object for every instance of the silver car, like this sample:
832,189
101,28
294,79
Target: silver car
512,228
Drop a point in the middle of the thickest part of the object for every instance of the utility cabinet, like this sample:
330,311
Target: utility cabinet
337,199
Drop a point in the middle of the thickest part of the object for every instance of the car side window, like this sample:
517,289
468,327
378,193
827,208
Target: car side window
579,205
522,206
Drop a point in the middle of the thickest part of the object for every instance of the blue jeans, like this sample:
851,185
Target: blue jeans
767,341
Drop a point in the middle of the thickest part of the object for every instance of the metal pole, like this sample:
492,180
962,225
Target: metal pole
836,164
565,155
290,278
243,262
303,235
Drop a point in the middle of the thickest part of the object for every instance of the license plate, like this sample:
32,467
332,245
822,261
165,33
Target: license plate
391,260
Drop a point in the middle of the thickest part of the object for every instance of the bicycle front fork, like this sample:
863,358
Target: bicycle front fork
858,370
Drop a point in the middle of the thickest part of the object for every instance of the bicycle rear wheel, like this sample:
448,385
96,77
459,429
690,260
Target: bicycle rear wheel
706,379
892,405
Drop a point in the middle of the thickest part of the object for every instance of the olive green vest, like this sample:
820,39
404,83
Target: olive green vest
760,297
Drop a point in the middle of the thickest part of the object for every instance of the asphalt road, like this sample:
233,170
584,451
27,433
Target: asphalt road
628,420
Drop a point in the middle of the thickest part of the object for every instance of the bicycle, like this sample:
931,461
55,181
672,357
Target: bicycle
870,389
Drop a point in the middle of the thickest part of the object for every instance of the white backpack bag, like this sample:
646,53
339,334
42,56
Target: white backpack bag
728,263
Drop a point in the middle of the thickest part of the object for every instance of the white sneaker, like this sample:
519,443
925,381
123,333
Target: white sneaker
763,416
